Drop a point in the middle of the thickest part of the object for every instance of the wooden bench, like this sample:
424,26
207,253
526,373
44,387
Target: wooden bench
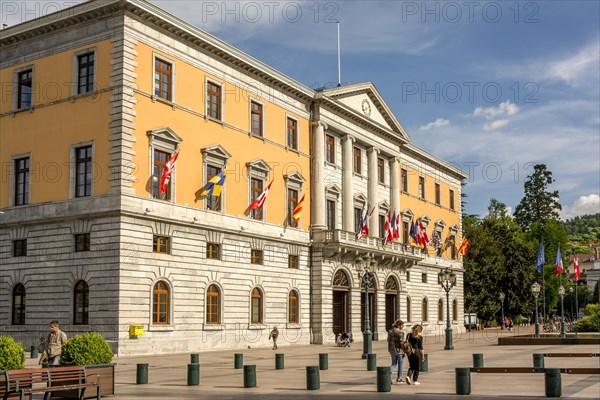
22,382
586,355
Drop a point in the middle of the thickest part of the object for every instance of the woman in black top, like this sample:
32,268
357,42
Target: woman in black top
415,338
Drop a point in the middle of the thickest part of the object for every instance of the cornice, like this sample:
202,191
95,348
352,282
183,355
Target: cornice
422,155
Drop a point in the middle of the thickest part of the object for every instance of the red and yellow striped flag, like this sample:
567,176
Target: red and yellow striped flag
298,209
464,246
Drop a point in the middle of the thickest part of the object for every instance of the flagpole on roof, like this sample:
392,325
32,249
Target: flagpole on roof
339,57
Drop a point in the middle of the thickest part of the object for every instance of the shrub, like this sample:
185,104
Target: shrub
87,349
12,354
591,321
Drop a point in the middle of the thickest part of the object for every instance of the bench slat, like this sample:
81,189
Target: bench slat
508,370
572,355
584,371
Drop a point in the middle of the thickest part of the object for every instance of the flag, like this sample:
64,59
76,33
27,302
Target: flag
387,229
464,246
541,258
363,228
422,234
214,186
260,200
166,175
298,209
397,232
576,266
436,241
413,232
393,228
449,242
559,263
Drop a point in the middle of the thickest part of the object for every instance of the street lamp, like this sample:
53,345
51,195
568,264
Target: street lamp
535,289
561,293
501,297
447,279
367,276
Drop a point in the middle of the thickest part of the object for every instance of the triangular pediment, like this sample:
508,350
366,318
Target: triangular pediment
384,205
334,190
259,164
165,134
360,198
216,151
295,177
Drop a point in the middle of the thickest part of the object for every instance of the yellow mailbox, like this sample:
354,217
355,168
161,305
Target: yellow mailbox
136,330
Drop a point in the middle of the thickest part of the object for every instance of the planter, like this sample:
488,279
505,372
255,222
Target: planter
104,372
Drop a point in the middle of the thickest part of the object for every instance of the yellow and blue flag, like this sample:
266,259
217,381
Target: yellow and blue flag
214,186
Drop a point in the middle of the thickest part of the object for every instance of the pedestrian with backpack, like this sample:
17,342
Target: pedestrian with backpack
395,339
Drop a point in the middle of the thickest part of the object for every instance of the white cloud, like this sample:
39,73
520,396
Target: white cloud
438,123
578,69
589,204
492,126
503,109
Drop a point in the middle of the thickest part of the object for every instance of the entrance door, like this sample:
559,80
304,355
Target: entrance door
340,311
372,315
391,314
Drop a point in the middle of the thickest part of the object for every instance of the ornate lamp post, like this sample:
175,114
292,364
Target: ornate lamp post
367,276
561,293
447,279
535,289
501,297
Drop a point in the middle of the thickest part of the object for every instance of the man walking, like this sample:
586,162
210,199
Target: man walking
274,334
54,342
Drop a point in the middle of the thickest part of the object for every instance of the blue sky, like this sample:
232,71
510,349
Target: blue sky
491,86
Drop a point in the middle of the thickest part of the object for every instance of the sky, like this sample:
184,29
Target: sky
493,87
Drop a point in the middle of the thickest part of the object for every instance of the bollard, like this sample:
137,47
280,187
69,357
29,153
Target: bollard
424,365
323,361
195,358
384,379
141,375
538,360
313,381
238,361
463,380
279,361
249,376
34,351
477,360
552,382
193,375
371,362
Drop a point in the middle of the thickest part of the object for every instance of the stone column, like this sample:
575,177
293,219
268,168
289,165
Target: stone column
372,192
318,176
347,189
395,184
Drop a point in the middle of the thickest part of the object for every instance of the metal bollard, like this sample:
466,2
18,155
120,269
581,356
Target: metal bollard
463,380
538,360
552,382
238,361
195,358
34,351
424,365
193,375
313,382
477,360
323,361
141,374
279,361
384,379
371,362
249,376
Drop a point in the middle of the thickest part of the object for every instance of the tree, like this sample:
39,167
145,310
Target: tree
497,209
538,205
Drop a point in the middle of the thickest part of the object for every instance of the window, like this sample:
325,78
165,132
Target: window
256,118
83,171
81,303
405,232
292,203
380,171
422,187
213,100
404,182
424,316
20,248
382,232
408,315
213,297
162,79
440,310
256,314
357,161
330,149
451,199
293,261
357,217
22,181
454,310
160,159
213,251
256,189
331,214
212,202
407,276
25,90
424,277
82,242
160,304
292,133
18,305
438,195
85,76
256,256
293,310
161,244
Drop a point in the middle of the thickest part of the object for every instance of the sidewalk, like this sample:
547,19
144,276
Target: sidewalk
348,377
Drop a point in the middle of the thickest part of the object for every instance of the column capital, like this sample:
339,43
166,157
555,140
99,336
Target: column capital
320,123
374,149
350,137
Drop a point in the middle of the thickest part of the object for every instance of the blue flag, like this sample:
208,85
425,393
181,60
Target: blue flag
541,259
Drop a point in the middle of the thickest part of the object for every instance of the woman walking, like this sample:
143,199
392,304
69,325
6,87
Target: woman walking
415,339
395,339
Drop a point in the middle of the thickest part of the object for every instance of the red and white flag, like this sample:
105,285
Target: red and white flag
422,235
166,175
576,266
388,229
260,200
397,231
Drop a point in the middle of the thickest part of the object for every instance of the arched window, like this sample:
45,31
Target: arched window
293,309
213,304
408,315
160,303
81,303
424,316
454,310
256,307
441,310
18,310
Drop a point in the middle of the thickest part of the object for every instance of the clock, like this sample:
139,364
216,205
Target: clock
366,107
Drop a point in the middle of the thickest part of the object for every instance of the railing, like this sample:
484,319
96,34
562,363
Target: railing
367,243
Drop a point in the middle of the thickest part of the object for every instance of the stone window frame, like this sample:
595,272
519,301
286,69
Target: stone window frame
287,145
217,156
358,201
166,140
170,325
440,305
257,169
11,182
294,181
15,97
422,188
333,193
453,231
454,310
298,320
73,166
23,312
86,308
173,63
23,241
451,199
439,227
75,71
221,85
384,208
425,310
263,118
261,321
220,324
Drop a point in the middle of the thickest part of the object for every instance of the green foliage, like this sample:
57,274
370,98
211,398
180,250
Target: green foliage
591,321
12,354
596,294
538,205
87,349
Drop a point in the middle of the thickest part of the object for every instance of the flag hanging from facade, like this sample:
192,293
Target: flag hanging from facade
576,266
363,228
298,209
464,246
393,228
541,258
413,231
214,186
422,235
449,242
387,229
260,200
166,175
436,241
559,263
397,232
